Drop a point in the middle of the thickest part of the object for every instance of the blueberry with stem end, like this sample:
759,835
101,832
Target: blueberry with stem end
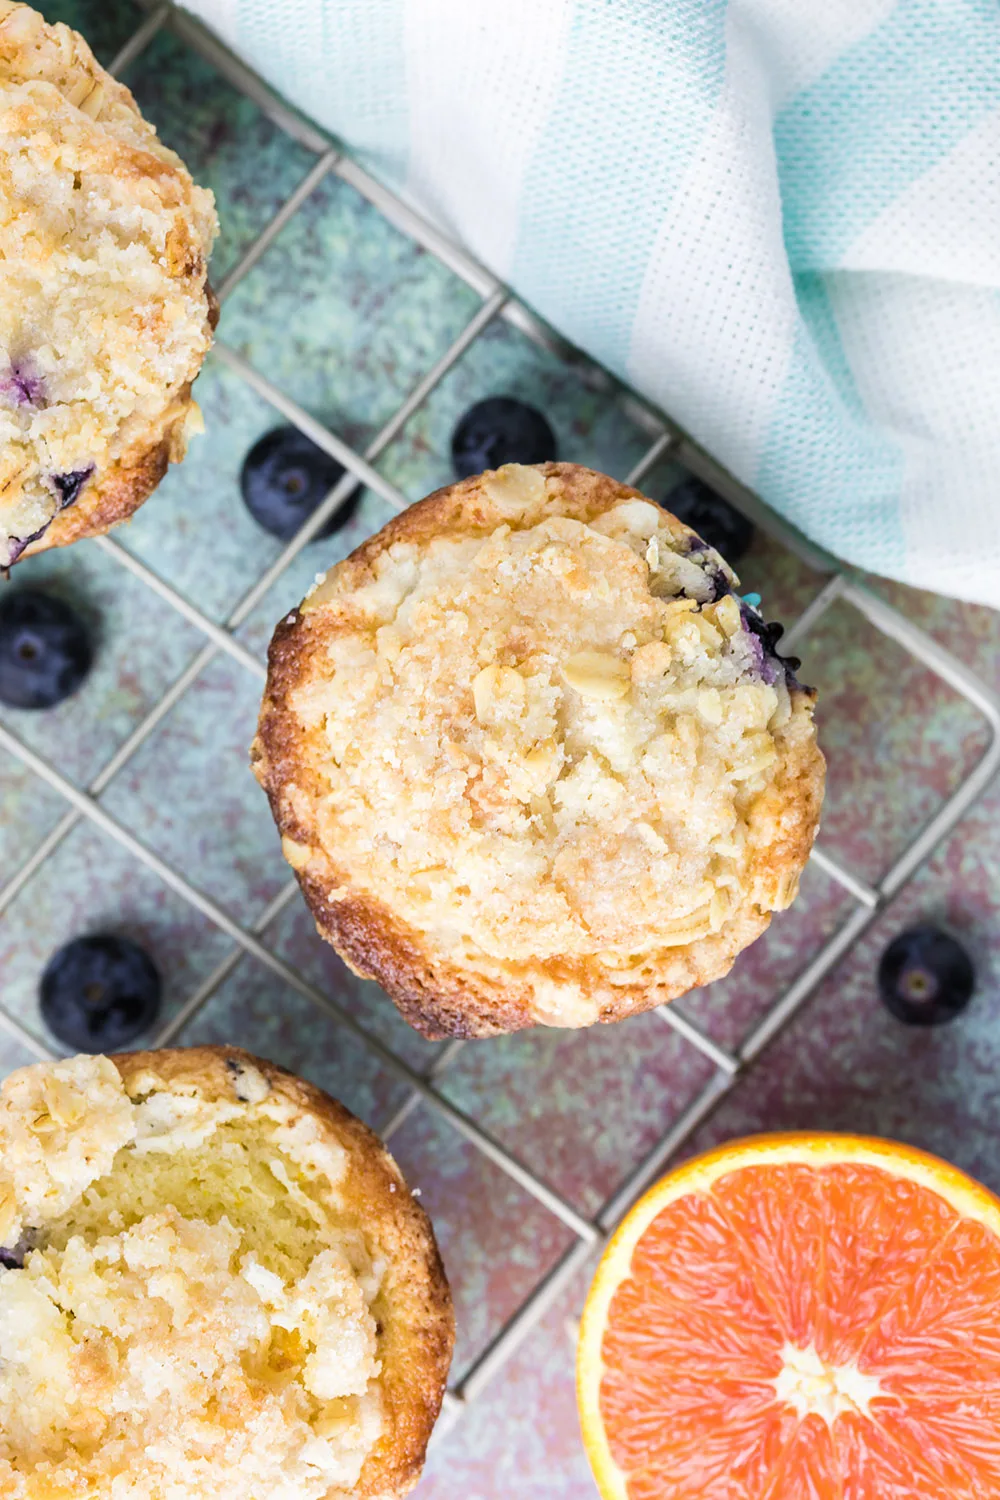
717,522
45,651
98,993
500,430
925,976
286,477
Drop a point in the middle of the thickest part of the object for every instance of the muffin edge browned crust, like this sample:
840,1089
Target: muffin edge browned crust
416,1342
115,495
128,483
436,998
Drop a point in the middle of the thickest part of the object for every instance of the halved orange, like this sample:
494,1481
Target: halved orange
798,1317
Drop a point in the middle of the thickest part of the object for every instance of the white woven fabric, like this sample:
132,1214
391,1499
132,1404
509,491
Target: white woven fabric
779,219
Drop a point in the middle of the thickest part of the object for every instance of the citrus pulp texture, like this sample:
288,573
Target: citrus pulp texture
798,1318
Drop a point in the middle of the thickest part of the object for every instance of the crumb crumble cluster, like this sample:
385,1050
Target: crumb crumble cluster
179,1315
104,315
552,748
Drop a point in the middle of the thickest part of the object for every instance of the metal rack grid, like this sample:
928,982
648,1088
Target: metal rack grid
664,437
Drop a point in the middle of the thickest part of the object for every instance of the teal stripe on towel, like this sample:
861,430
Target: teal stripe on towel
638,89
824,464
301,46
882,115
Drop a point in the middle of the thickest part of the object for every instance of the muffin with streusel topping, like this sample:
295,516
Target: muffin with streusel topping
213,1283
105,309
533,759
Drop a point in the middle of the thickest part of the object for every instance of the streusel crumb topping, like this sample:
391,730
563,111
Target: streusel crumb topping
555,742
178,1315
104,241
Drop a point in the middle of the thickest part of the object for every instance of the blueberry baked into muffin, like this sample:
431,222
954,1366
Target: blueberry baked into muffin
533,759
214,1283
105,310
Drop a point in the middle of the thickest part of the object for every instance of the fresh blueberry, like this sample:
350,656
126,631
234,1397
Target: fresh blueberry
925,976
717,522
45,652
500,430
99,993
285,477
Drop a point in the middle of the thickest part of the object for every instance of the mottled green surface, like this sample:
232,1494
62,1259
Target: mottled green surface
227,143
346,315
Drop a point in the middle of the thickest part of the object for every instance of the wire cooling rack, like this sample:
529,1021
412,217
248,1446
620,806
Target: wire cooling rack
866,899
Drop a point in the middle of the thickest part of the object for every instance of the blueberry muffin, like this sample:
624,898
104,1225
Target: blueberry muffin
214,1283
105,310
533,759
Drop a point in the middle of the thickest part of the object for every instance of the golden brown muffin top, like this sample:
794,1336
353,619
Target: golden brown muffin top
529,731
104,313
217,1285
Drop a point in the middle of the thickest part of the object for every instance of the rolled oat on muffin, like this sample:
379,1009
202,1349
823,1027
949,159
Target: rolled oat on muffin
213,1283
532,758
105,310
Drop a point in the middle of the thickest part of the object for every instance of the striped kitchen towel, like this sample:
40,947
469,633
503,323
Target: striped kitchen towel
779,219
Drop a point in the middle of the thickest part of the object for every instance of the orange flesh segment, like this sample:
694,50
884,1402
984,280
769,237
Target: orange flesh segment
878,1275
